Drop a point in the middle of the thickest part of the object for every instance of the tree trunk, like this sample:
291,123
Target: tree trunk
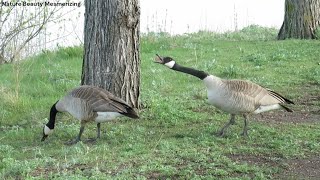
301,20
111,47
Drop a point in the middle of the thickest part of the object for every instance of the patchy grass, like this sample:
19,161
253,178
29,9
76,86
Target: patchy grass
174,137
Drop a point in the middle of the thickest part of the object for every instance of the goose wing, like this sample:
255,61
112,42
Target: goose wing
100,100
254,92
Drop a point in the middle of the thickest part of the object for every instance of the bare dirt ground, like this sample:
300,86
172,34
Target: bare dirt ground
294,117
308,168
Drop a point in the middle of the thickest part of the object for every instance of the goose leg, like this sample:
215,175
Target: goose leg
78,138
98,130
80,133
245,128
231,121
91,140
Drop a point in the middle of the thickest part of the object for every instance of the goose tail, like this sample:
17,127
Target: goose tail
130,113
286,108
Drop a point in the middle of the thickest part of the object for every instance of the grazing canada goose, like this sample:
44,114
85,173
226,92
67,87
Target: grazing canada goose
89,103
237,97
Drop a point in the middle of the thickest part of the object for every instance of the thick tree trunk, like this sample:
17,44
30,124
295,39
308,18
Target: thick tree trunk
111,47
301,20
2,60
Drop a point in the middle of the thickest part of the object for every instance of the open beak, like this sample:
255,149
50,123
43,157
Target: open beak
158,59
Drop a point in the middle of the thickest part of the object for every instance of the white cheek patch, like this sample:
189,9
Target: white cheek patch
47,130
170,64
208,80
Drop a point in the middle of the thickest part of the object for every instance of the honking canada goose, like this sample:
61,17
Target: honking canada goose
87,104
237,97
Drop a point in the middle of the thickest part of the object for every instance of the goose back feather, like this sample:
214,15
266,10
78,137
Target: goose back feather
83,102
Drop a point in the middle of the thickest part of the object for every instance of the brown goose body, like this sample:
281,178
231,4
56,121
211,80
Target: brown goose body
237,97
241,97
89,104
85,102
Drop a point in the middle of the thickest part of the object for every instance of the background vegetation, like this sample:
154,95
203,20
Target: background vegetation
174,138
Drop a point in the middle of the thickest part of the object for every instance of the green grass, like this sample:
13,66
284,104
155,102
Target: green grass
174,138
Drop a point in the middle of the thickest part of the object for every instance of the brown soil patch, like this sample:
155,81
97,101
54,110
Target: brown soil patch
254,160
46,171
284,117
158,175
308,168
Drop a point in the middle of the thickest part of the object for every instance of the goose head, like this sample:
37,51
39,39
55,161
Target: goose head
46,131
48,128
167,61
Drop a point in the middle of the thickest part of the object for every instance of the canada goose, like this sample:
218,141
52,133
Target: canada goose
88,103
237,97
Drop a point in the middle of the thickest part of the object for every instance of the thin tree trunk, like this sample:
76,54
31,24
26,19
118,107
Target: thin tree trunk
111,47
301,20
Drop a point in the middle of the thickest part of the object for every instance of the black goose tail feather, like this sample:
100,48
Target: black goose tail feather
287,109
288,101
279,97
131,113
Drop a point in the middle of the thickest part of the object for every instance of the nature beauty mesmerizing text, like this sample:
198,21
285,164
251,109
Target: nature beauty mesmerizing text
40,4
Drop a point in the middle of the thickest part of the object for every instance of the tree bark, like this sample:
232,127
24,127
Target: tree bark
111,47
301,20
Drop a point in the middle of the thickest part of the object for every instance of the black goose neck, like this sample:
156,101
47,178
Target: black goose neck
199,74
52,118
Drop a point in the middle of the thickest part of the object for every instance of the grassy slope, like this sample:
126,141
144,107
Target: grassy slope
174,137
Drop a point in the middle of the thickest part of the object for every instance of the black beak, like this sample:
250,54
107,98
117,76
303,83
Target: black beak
158,59
44,136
